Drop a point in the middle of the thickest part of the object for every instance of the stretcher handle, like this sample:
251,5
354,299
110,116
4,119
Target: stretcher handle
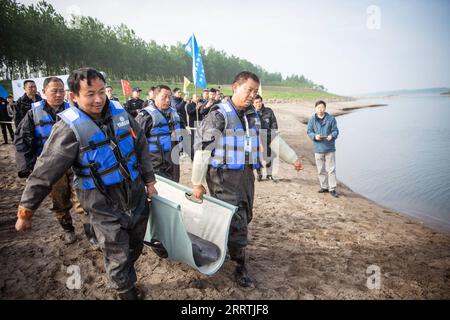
191,197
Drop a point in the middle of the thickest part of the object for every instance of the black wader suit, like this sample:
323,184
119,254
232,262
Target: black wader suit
233,186
119,218
162,162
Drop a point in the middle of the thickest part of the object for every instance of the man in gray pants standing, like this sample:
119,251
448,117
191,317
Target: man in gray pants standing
323,131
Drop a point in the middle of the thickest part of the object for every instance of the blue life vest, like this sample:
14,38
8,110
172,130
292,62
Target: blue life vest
236,143
102,161
43,124
160,137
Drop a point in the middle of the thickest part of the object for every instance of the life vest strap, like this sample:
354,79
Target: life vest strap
160,125
44,123
93,167
94,146
159,135
81,167
42,138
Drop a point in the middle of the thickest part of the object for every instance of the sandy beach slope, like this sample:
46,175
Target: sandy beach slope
303,245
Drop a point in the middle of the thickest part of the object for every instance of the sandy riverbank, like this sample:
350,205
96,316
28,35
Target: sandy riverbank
303,245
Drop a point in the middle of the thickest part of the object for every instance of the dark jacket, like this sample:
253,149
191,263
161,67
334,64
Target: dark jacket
191,111
233,186
25,141
269,125
268,119
179,105
23,106
4,116
133,106
61,153
204,111
163,164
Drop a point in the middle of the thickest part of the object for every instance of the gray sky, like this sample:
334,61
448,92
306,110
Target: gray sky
349,46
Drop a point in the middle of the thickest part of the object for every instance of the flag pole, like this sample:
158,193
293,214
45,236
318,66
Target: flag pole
194,78
196,109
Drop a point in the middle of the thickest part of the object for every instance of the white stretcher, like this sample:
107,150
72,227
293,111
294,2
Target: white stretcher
174,215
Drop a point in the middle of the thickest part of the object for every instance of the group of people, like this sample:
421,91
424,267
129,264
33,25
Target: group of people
188,113
6,116
12,111
109,154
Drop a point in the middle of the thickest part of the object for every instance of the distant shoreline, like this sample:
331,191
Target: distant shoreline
337,109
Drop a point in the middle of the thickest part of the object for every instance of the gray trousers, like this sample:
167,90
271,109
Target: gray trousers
326,168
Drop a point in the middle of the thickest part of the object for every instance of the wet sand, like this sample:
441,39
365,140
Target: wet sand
303,245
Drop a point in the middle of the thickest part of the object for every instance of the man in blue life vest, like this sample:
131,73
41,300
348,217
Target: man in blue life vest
162,127
30,137
226,153
108,153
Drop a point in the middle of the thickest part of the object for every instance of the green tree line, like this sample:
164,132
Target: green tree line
35,39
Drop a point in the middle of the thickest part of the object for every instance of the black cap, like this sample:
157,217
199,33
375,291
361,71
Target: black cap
137,89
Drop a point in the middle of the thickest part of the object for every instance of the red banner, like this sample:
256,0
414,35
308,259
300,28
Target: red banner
126,87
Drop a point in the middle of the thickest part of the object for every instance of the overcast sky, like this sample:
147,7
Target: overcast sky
349,46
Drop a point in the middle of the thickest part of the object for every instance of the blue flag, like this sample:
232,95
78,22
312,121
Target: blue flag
198,72
3,92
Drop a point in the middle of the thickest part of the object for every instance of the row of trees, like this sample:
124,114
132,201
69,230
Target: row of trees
36,40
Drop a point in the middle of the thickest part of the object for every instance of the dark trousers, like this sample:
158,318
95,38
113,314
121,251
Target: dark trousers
192,153
167,167
121,239
10,129
237,188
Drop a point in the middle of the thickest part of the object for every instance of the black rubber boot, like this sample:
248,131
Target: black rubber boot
240,273
69,231
258,174
67,225
132,294
242,278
